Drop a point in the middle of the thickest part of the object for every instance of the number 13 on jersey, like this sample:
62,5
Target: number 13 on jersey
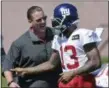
73,56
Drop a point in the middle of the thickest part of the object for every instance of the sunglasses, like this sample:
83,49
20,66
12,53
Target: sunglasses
40,19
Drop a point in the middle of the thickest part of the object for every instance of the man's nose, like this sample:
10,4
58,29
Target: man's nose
43,21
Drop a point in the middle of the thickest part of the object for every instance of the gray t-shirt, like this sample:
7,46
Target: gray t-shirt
28,51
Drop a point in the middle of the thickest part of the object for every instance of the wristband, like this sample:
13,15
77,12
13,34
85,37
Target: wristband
10,82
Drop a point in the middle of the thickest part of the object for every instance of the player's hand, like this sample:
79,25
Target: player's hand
66,76
14,85
20,71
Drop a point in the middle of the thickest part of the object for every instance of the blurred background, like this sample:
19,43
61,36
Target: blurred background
92,14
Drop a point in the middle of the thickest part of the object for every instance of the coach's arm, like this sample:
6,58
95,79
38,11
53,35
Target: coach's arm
51,64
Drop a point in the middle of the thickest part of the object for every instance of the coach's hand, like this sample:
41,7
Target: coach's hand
66,77
20,71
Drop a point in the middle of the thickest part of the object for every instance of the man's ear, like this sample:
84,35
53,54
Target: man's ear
29,21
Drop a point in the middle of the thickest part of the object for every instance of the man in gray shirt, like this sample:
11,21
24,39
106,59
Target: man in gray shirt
31,49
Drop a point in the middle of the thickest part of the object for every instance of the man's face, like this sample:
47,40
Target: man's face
38,21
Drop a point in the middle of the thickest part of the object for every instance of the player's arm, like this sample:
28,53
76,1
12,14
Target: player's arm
46,66
93,63
94,60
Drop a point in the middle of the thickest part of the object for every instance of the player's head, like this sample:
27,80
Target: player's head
65,15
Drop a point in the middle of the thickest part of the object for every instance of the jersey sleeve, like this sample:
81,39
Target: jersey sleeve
90,37
55,43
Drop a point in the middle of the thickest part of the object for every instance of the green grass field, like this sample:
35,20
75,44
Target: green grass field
4,84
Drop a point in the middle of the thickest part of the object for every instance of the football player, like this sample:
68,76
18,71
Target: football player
77,48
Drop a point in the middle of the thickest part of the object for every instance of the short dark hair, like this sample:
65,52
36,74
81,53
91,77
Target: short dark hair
32,10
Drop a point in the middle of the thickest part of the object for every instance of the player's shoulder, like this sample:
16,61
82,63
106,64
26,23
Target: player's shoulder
84,31
56,36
